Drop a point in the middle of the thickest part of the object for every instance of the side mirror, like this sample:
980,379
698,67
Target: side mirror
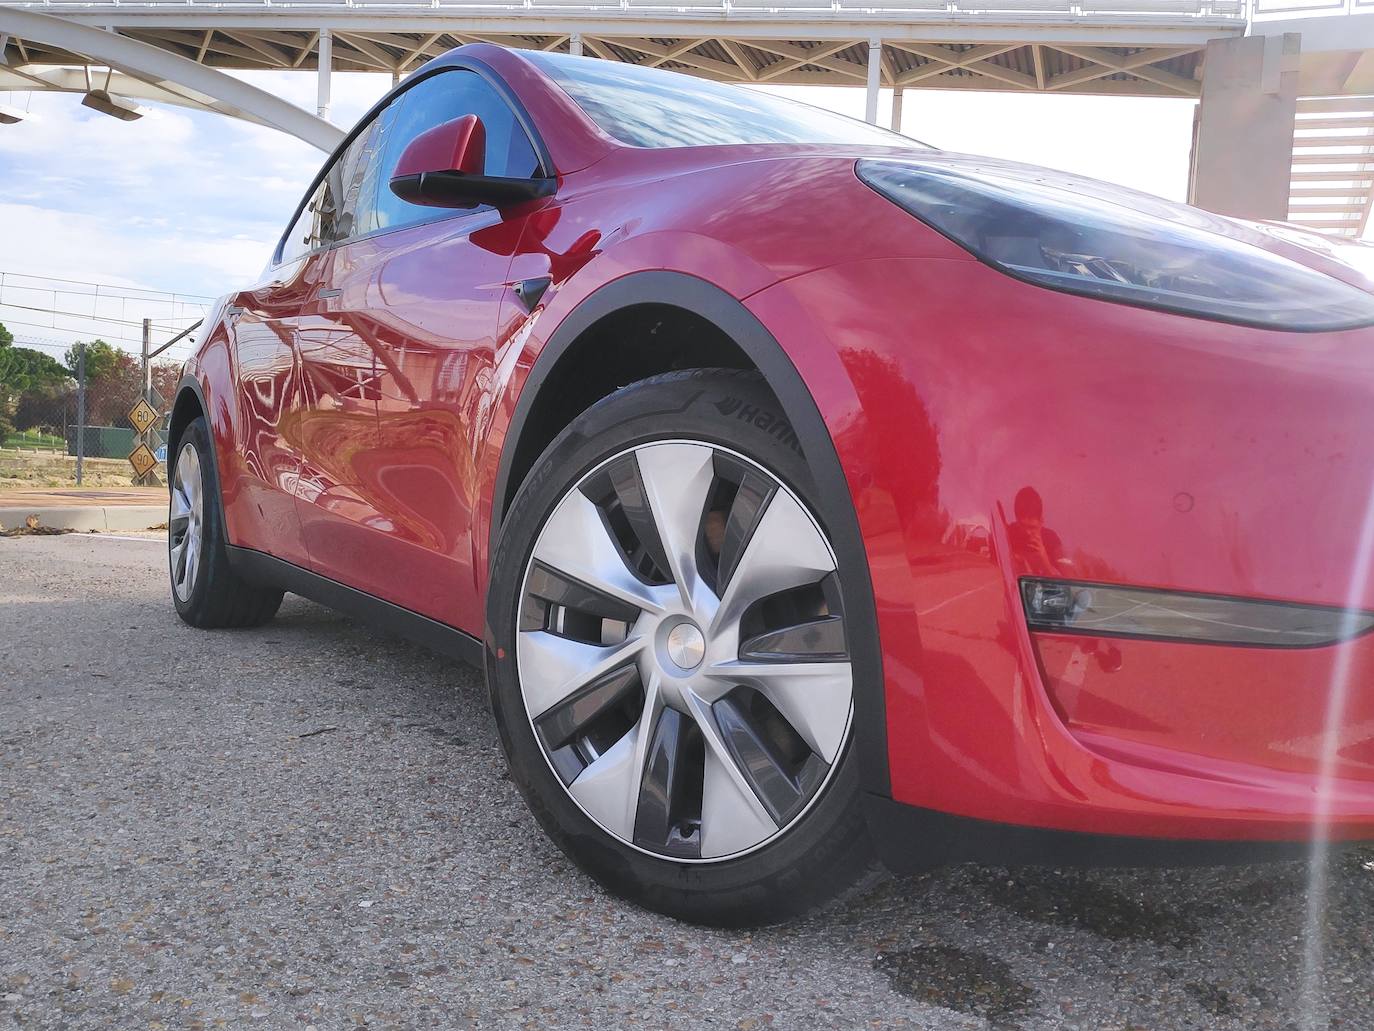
443,168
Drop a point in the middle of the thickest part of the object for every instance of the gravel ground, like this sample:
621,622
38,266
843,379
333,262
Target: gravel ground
311,825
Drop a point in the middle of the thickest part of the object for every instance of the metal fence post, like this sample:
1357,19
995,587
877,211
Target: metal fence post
80,409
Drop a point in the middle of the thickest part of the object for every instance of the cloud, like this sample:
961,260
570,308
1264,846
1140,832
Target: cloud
118,252
178,200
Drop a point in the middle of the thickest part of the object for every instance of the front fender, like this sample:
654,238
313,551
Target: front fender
745,328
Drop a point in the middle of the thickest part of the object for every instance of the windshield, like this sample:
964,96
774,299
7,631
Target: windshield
649,107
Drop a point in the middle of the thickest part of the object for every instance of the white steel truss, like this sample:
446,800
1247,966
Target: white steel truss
1139,47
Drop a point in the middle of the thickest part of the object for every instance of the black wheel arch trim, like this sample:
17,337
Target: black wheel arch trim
835,509
191,384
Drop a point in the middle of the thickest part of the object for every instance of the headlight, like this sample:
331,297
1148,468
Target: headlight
1085,244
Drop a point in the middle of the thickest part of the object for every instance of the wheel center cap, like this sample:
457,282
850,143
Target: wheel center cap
686,646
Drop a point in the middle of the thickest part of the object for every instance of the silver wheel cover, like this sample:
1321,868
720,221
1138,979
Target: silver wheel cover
681,651
185,522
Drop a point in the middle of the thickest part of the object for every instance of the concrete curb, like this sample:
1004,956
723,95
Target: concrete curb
88,517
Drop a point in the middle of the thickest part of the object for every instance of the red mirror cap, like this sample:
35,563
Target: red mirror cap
456,146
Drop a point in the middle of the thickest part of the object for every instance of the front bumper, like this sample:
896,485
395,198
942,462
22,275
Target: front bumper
992,430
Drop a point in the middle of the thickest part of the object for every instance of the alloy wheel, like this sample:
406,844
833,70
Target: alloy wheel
681,651
185,524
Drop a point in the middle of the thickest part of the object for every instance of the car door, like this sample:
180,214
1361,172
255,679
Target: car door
424,289
338,426
260,478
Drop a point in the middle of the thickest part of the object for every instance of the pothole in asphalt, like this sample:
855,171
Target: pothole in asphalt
967,982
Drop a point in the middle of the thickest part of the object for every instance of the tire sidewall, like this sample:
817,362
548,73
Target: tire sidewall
822,851
197,433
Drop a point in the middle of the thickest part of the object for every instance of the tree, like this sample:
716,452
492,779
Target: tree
101,360
29,380
166,377
113,382
23,369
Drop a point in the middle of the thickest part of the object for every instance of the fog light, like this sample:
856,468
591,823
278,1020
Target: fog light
1056,602
1110,611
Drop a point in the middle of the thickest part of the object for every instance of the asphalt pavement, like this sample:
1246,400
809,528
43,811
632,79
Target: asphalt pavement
311,825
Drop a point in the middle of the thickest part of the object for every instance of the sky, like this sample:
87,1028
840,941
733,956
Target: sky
192,202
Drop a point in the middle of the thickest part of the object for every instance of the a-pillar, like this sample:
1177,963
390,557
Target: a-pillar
1242,162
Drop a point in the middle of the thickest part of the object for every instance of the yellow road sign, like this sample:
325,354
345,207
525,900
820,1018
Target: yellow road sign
142,460
142,416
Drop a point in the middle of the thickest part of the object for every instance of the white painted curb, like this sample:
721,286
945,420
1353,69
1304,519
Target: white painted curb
88,517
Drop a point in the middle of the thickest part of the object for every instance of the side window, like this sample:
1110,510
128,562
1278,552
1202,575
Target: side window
438,99
299,238
342,202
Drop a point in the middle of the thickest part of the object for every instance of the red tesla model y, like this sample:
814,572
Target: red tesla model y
812,497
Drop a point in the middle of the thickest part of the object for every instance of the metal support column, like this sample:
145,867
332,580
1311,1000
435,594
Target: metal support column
80,409
875,78
147,360
575,44
897,109
326,54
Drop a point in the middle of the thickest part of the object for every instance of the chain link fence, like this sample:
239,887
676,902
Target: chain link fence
79,432
66,396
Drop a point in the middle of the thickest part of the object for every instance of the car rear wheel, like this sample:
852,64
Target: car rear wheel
670,670
207,593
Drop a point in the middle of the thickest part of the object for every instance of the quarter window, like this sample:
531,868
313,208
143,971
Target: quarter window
333,211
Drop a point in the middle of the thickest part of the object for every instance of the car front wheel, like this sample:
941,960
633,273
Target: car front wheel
669,664
207,593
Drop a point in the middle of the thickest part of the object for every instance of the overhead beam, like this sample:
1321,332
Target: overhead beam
800,57
1104,63
160,67
944,60
73,80
745,62
254,41
652,49
1106,29
374,54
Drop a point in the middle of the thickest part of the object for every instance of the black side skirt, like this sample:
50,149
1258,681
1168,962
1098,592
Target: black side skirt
909,839
267,571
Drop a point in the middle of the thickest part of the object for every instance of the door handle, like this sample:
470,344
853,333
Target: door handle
331,292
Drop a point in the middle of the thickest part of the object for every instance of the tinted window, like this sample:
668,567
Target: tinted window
343,199
442,98
649,107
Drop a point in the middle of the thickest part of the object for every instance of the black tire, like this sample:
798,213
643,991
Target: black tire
218,597
827,849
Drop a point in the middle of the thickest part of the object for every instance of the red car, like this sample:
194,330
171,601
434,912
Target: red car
811,496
